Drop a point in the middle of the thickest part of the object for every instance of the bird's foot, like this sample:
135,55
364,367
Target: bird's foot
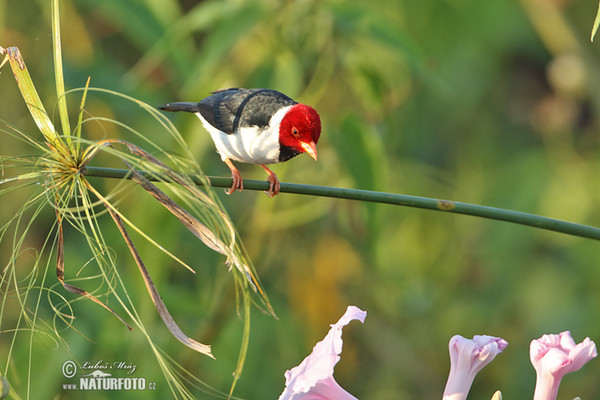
274,184
238,182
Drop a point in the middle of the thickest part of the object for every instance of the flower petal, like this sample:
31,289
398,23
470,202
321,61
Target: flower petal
554,356
467,358
581,354
313,378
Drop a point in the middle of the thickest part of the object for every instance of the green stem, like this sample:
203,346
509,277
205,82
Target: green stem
456,207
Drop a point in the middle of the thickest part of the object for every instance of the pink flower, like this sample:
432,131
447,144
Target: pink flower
554,356
467,358
313,378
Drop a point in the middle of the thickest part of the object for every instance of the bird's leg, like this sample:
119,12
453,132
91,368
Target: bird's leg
273,181
238,182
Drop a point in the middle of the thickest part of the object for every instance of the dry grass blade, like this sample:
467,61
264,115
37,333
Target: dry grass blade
188,220
60,274
156,298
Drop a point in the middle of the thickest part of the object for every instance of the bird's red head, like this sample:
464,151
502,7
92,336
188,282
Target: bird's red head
300,129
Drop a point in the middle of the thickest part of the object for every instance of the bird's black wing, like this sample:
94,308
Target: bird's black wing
230,109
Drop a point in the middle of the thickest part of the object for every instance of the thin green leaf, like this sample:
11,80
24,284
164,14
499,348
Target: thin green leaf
60,274
80,119
58,72
244,345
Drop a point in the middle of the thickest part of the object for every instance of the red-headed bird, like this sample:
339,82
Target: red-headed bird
256,126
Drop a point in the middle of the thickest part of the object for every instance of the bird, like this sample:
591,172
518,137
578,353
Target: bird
255,126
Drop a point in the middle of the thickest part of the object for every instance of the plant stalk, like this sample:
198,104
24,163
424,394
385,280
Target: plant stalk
456,207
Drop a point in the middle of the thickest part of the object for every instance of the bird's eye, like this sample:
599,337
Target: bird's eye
295,131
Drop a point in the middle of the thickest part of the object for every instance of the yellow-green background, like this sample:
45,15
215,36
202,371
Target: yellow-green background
489,102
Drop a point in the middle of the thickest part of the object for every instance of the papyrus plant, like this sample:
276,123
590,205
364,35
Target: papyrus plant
56,170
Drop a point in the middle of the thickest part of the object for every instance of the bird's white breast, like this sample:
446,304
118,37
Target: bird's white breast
252,144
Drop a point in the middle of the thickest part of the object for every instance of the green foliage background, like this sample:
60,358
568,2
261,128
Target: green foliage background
490,102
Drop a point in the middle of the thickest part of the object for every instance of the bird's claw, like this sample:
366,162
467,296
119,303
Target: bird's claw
238,182
274,185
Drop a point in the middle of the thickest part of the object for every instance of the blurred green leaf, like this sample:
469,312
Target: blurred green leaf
356,145
224,34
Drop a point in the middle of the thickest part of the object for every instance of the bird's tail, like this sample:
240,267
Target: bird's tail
189,107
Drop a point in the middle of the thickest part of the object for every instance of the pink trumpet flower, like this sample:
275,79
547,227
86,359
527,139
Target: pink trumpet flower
467,358
313,378
554,356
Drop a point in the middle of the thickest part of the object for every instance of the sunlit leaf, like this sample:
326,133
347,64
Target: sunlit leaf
596,24
30,95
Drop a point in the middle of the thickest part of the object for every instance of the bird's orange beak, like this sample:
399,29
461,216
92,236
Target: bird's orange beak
310,148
